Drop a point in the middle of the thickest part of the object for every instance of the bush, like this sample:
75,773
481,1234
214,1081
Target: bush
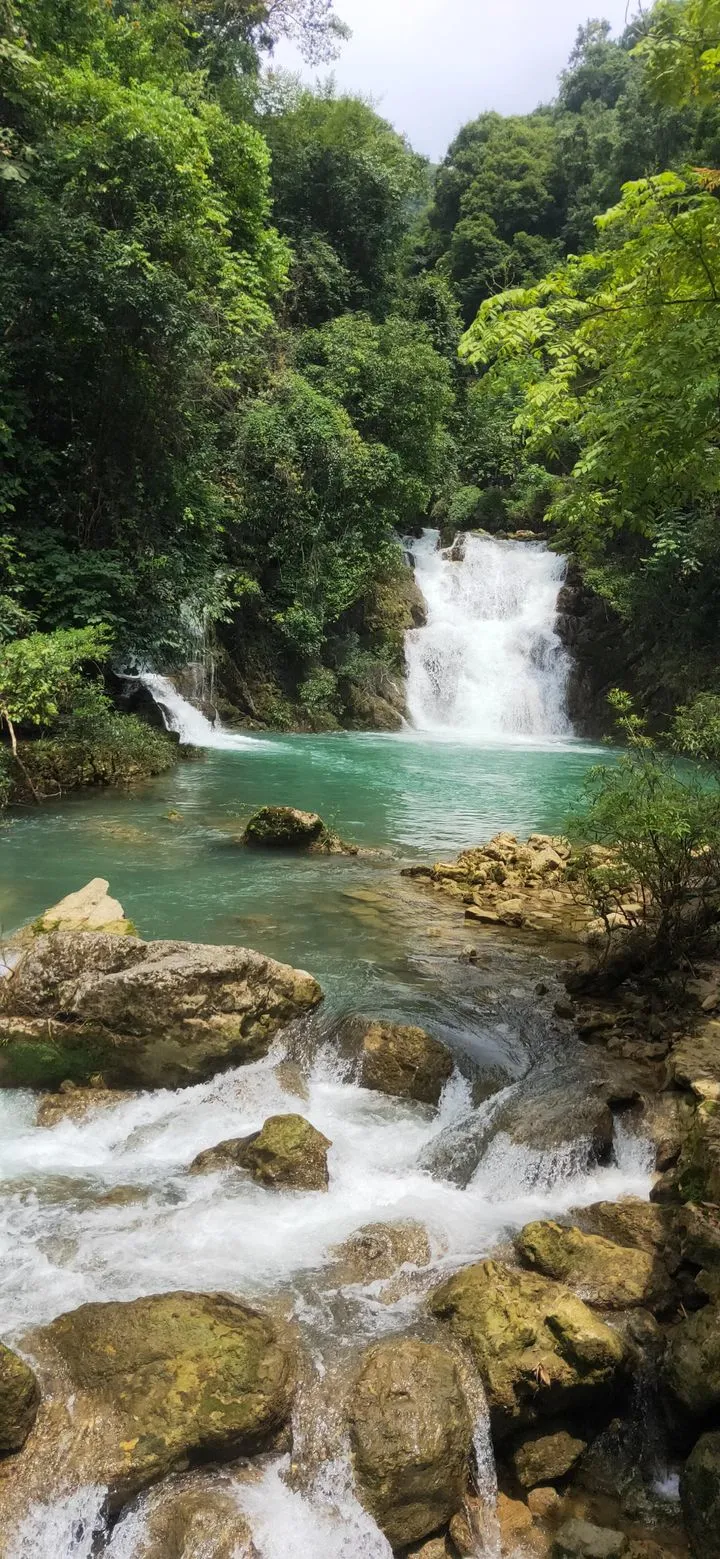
659,896
109,749
319,690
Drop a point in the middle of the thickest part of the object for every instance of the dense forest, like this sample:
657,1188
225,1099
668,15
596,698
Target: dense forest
233,368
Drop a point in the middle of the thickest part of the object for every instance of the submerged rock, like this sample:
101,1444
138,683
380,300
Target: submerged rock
19,1400
377,1251
287,1152
538,1348
411,1435
611,1276
159,1383
700,1495
186,1522
404,1061
71,1103
691,1368
286,828
544,1458
140,1014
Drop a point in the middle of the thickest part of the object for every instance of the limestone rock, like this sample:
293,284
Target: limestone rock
89,909
700,1495
543,1503
378,1250
19,1400
538,1348
695,1061
515,1523
666,1119
691,1369
578,1539
160,1382
286,828
411,1435
608,1275
647,1226
140,1014
404,1061
287,1152
183,1522
543,1458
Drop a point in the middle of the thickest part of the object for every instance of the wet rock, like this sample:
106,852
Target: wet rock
377,1251
608,1275
411,1435
698,1171
404,1061
186,1522
695,1062
436,1548
515,1523
75,1104
538,1348
287,1153
162,1382
691,1368
19,1400
544,1458
523,884
286,828
140,1014
700,1495
578,1539
666,1119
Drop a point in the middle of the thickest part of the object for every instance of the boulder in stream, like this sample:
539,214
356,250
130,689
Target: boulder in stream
19,1400
691,1368
140,1014
153,1386
184,1520
539,1349
700,1494
610,1276
378,1250
411,1436
544,1458
404,1061
287,828
287,1154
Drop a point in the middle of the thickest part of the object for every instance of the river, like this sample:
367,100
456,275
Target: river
494,752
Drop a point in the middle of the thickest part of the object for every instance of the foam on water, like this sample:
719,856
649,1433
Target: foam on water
488,664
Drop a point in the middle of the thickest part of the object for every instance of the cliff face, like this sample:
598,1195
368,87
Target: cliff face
603,656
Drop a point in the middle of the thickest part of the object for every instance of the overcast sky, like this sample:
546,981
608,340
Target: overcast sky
433,64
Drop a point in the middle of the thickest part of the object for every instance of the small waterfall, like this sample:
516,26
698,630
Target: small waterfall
190,724
488,664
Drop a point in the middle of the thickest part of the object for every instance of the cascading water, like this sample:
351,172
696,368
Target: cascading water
187,722
488,665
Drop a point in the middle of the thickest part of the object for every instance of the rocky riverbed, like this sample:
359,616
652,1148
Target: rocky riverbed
277,1280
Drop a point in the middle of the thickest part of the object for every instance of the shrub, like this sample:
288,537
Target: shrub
660,894
319,690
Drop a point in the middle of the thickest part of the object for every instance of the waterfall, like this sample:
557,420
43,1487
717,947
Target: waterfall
488,664
187,722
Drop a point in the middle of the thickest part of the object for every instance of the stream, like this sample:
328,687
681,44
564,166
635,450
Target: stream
104,1208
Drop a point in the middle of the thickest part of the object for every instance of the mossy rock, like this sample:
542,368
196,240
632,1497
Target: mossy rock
171,1380
539,1349
411,1435
610,1276
287,1153
700,1494
402,1060
691,1368
19,1400
699,1167
545,1458
287,828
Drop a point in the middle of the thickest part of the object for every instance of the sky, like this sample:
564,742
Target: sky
430,65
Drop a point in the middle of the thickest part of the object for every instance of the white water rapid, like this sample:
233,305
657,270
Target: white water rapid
488,665
190,724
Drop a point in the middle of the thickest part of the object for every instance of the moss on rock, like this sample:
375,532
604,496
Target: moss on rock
611,1276
287,1153
287,828
19,1400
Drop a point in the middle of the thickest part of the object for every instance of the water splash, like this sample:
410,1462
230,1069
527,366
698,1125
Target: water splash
66,1528
488,664
190,724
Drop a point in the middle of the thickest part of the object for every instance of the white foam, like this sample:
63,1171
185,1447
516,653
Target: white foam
190,724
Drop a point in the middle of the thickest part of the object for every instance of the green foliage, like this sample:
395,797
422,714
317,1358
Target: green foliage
696,728
681,52
660,890
319,690
40,676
